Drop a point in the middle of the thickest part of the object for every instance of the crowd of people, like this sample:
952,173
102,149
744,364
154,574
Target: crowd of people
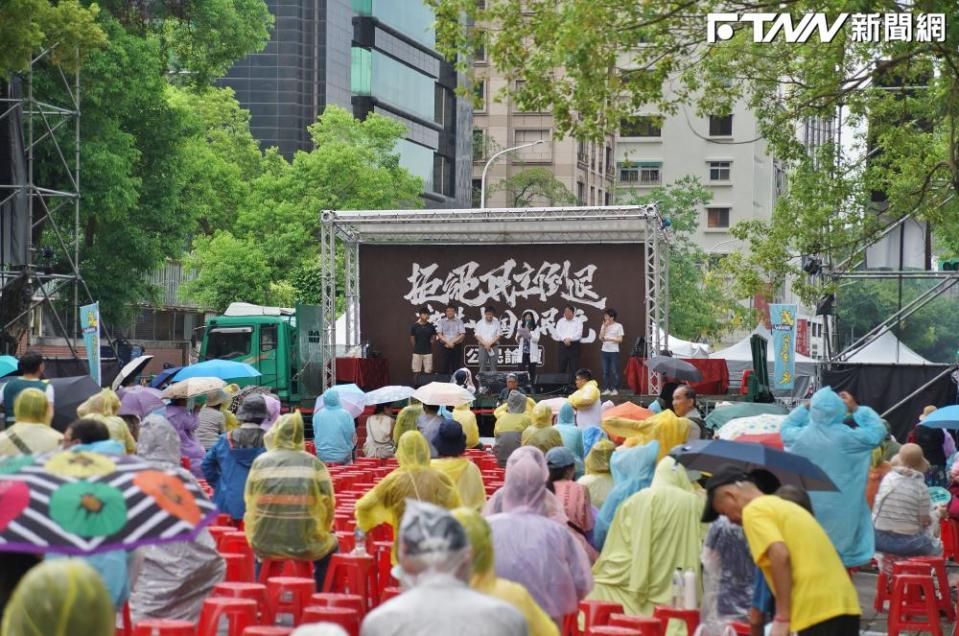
582,514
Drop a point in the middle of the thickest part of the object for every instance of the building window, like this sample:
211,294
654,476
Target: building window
374,74
717,217
479,95
720,125
641,126
582,156
719,170
442,175
479,52
609,159
477,185
581,193
479,144
541,153
641,172
606,199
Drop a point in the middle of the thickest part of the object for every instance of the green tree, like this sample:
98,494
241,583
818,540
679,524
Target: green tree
228,269
68,29
699,304
528,186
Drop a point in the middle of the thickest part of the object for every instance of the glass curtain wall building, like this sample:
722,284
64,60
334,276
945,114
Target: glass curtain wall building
368,56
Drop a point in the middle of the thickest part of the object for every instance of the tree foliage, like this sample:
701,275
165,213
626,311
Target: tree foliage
68,29
534,186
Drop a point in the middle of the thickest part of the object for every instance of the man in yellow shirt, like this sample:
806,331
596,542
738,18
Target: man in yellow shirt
814,595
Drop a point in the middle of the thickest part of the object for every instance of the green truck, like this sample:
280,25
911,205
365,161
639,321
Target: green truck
282,344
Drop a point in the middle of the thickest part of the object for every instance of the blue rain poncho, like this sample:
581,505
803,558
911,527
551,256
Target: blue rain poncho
572,435
632,470
333,431
819,434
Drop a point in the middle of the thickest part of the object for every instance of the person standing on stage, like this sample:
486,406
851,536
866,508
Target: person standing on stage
422,335
610,334
527,335
487,332
450,332
569,331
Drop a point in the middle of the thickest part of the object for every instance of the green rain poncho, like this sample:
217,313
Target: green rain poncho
289,498
654,532
65,597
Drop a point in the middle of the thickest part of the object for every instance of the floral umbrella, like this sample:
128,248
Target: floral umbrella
753,425
80,502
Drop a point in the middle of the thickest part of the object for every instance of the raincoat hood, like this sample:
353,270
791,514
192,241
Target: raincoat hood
597,461
670,473
826,407
331,399
106,402
406,420
542,415
159,441
516,402
524,489
287,434
481,542
543,438
567,415
413,451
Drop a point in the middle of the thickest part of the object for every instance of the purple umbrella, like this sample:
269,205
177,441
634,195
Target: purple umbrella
140,401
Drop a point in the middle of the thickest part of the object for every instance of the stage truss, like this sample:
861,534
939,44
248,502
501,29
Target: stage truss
343,231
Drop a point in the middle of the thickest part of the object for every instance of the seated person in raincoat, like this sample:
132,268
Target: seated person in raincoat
819,432
654,532
31,433
484,577
572,436
541,433
632,470
184,421
414,479
406,421
434,557
509,427
334,432
174,578
289,501
450,445
467,419
598,479
60,598
106,404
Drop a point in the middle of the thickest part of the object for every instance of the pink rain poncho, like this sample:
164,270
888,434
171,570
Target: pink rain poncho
531,548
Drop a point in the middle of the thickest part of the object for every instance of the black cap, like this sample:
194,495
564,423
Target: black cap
725,475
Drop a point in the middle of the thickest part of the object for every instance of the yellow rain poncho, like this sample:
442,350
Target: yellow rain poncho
106,404
542,438
542,415
503,408
64,597
31,432
667,429
484,577
467,419
406,421
653,532
466,477
289,498
514,419
598,479
414,479
228,415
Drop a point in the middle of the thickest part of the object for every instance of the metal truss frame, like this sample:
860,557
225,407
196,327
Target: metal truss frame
346,230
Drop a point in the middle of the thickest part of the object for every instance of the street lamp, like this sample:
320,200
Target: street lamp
493,158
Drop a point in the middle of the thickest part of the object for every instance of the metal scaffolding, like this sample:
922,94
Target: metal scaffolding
633,224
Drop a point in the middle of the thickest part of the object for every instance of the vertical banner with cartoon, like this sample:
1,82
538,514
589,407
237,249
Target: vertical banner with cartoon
782,319
90,322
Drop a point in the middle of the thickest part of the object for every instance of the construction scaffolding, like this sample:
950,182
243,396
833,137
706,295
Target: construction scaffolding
636,224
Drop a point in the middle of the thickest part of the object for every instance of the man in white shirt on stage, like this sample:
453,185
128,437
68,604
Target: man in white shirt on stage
487,332
569,332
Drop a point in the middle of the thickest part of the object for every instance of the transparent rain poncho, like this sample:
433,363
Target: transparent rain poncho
289,498
728,577
598,479
106,404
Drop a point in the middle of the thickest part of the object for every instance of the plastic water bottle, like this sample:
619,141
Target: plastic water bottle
678,588
689,590
359,539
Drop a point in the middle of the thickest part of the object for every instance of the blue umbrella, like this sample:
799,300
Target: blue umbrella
162,378
8,365
708,455
946,417
223,369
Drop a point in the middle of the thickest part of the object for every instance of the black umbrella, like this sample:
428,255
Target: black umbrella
68,394
675,368
708,455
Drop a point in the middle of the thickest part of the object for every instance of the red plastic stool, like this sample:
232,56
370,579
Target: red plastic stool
285,567
350,574
289,595
346,540
331,599
914,602
253,591
608,630
217,532
223,519
570,625
267,630
345,617
645,625
597,613
127,629
384,567
160,627
234,542
882,593
937,565
382,532
239,612
239,567
740,629
690,617
902,614
388,593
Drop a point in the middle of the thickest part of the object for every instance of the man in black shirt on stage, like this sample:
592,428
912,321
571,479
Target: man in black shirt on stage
422,335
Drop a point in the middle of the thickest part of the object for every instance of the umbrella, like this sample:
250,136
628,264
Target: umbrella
140,401
628,411
721,415
80,502
163,378
351,397
443,394
223,369
772,440
130,370
555,404
946,417
674,368
752,425
68,394
8,365
192,387
389,394
708,455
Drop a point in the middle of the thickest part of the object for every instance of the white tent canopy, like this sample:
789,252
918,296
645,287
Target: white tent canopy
685,349
739,357
887,349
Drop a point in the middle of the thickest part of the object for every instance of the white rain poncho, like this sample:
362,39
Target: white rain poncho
174,578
